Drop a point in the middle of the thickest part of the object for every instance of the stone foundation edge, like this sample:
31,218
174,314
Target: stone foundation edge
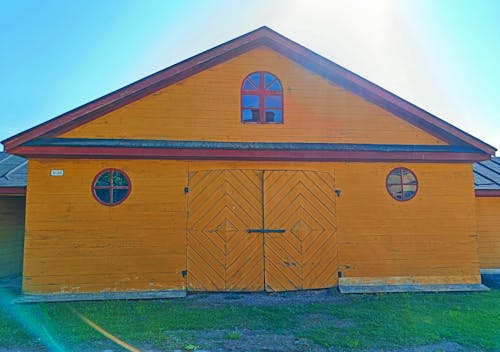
99,296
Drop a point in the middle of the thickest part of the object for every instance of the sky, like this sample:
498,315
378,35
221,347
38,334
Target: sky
441,55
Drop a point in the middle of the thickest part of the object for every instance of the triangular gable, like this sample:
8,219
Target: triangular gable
262,36
206,107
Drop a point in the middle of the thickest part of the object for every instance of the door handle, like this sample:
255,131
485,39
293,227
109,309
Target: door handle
265,230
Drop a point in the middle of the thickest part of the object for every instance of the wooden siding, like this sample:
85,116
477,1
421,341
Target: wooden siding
206,107
11,234
488,230
381,237
75,244
431,235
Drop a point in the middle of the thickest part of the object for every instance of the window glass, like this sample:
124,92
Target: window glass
261,99
251,101
271,82
272,101
409,191
402,184
251,115
249,85
255,79
395,191
119,194
119,179
102,195
394,179
103,179
275,86
111,187
274,116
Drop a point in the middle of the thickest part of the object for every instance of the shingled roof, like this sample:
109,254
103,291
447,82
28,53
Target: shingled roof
13,174
487,177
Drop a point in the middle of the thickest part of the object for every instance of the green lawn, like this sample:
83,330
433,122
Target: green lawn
320,322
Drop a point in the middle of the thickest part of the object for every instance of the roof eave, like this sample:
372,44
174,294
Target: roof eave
201,150
13,191
261,36
487,192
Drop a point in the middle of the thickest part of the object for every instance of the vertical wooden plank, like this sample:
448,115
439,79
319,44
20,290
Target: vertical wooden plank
284,267
320,246
222,255
304,256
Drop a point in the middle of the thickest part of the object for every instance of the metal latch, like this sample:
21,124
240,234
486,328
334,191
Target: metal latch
265,230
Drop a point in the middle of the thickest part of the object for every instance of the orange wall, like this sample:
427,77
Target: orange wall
488,230
206,107
432,235
75,244
11,234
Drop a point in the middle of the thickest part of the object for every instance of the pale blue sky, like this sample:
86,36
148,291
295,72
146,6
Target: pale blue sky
440,55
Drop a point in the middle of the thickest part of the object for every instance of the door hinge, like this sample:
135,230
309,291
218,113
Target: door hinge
186,190
184,273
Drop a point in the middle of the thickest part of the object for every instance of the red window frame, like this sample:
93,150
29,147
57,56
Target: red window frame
111,187
401,169
262,92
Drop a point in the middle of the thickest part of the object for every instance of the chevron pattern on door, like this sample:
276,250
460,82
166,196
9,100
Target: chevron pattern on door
305,255
221,255
224,204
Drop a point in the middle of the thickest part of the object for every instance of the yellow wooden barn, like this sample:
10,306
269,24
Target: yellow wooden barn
257,165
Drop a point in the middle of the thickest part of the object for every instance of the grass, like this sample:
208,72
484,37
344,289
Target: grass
471,320
234,335
348,323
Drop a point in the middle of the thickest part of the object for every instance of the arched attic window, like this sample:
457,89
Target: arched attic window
261,99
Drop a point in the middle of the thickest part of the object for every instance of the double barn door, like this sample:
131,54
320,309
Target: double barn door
254,230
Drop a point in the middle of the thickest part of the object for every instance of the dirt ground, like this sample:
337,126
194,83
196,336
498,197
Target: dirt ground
263,341
245,340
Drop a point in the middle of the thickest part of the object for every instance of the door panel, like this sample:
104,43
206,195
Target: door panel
224,204
305,255
221,255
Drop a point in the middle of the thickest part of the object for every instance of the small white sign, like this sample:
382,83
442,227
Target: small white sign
56,172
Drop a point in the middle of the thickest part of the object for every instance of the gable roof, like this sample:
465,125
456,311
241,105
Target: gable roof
13,174
260,37
487,177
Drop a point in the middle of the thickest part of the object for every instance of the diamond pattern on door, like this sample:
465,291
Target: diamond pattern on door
305,255
221,255
224,204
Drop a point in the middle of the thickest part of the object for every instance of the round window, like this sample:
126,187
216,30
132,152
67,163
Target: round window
111,187
402,184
